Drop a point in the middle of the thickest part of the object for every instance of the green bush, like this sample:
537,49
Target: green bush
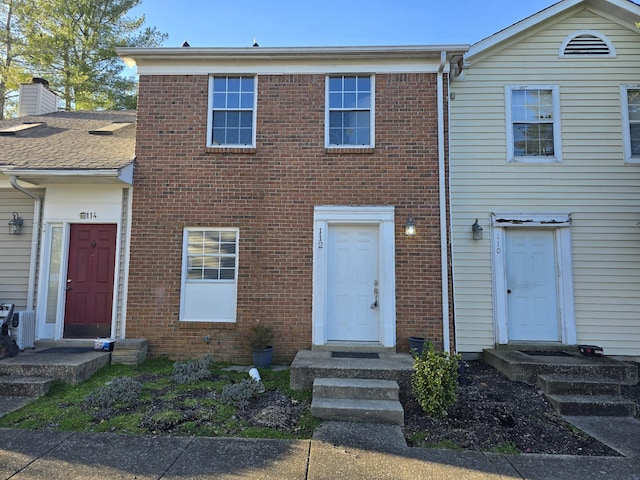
239,394
119,391
192,371
435,379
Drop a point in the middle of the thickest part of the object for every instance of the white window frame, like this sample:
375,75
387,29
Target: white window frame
372,112
206,300
210,143
557,142
629,157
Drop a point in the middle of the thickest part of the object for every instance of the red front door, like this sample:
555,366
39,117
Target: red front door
89,299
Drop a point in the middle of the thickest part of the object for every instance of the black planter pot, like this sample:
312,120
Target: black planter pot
417,344
263,358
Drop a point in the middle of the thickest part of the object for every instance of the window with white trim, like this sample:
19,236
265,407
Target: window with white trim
349,111
630,98
533,123
209,274
232,111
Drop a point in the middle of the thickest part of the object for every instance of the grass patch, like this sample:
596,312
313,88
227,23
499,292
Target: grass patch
506,448
163,405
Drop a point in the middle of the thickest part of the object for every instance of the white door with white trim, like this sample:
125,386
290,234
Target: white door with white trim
532,298
353,283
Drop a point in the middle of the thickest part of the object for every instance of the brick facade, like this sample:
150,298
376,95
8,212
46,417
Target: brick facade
269,193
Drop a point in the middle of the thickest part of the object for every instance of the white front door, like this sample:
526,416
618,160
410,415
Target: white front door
353,283
532,299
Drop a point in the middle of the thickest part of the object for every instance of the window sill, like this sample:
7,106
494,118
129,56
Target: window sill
349,150
213,324
540,159
239,150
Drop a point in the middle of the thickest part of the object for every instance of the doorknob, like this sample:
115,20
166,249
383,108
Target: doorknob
68,284
509,291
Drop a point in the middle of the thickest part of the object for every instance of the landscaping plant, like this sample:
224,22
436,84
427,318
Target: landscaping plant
435,379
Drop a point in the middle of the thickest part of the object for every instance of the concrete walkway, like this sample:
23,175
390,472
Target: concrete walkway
338,451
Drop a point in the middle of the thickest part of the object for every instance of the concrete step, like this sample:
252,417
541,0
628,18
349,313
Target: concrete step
358,410
369,389
11,386
560,384
594,405
522,367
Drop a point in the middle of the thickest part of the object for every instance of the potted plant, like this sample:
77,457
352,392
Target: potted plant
417,344
260,341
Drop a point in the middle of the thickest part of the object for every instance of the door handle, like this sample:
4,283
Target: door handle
68,284
509,290
375,295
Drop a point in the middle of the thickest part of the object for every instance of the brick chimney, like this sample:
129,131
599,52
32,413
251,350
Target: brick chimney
36,98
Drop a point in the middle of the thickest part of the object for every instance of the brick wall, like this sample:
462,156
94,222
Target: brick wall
269,193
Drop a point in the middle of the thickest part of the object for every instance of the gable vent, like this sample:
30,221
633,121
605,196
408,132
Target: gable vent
587,44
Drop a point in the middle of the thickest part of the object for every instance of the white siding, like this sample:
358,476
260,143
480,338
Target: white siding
593,181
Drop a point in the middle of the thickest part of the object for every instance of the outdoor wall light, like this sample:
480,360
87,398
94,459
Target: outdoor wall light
477,230
15,224
410,228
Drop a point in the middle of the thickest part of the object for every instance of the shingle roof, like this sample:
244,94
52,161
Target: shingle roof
63,142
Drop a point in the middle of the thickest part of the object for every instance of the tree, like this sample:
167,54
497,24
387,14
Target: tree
72,44
12,72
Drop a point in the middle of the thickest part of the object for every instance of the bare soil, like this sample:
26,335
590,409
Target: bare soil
495,413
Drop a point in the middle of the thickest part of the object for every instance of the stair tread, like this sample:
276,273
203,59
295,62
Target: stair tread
24,379
355,382
357,403
560,377
590,398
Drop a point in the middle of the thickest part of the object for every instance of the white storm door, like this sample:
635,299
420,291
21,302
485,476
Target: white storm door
353,283
532,304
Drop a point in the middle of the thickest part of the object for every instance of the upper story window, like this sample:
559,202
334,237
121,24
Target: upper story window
232,111
533,123
587,43
630,97
349,112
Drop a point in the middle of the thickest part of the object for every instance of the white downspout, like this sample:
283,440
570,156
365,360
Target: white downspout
444,265
35,240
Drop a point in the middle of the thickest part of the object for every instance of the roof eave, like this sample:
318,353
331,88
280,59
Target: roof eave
133,56
98,175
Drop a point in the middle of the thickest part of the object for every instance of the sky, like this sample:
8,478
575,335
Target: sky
301,23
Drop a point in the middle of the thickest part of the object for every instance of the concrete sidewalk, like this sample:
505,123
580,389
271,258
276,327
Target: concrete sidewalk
338,451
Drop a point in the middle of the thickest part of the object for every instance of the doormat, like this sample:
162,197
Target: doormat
354,355
546,353
67,350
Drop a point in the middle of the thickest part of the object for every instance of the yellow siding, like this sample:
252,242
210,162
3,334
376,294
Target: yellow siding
593,181
15,250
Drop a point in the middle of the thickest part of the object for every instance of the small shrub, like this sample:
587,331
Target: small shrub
434,380
260,337
192,371
120,391
239,394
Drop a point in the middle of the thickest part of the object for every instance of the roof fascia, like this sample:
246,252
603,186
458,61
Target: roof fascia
604,7
519,27
123,174
191,60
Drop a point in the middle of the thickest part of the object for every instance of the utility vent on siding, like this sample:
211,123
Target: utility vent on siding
587,43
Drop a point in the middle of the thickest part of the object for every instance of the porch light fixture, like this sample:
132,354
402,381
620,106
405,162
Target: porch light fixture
410,228
477,230
15,224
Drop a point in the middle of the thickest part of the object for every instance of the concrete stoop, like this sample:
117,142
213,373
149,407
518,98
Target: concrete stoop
575,385
32,372
357,400
12,386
